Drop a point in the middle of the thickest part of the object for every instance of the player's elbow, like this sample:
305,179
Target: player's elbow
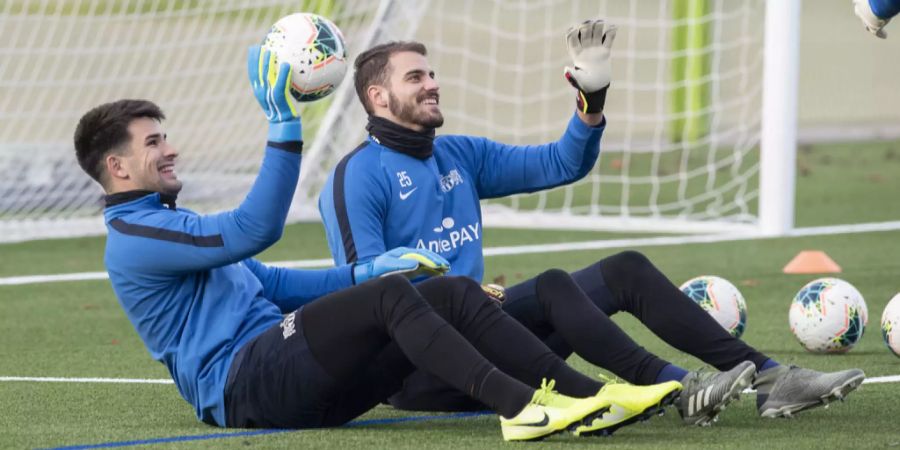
580,173
575,173
259,235
272,235
577,166
587,164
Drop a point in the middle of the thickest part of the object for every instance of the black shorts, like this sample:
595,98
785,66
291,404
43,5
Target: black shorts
275,382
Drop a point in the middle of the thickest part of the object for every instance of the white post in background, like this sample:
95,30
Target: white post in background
779,117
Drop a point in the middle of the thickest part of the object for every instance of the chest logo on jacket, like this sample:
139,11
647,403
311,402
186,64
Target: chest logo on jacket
451,180
455,237
405,183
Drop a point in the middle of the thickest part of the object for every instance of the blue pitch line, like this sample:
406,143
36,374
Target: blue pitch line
203,437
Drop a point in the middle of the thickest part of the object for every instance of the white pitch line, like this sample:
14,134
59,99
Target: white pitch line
88,276
35,279
883,379
529,249
681,240
90,380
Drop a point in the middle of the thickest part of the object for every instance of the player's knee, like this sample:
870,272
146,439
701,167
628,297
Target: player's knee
554,276
392,298
626,265
394,283
554,280
556,286
626,271
463,290
463,285
631,260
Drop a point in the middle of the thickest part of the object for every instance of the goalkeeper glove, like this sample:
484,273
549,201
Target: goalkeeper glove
412,263
872,22
271,83
589,46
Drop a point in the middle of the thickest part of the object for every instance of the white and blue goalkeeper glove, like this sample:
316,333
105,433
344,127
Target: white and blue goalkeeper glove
410,262
271,83
589,46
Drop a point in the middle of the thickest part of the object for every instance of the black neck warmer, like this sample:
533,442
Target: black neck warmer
127,196
418,144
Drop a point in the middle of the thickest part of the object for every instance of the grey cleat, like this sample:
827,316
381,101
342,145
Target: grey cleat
707,394
784,391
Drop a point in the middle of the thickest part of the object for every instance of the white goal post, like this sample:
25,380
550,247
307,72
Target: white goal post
702,109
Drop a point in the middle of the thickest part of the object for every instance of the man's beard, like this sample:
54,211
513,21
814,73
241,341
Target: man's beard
406,112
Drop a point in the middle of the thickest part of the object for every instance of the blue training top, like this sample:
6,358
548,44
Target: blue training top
378,198
189,287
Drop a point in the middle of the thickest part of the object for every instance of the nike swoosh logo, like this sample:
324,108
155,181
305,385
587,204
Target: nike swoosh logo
541,423
404,195
613,414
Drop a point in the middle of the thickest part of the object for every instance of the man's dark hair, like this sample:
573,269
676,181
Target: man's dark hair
372,66
104,129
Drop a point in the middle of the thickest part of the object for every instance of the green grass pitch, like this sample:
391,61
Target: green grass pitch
76,329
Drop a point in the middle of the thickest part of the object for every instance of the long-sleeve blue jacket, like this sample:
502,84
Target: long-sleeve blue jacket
190,287
378,198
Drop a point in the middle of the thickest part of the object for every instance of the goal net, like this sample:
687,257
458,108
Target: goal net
681,151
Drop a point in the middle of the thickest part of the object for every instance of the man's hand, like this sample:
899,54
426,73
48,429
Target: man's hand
589,46
873,23
412,263
271,83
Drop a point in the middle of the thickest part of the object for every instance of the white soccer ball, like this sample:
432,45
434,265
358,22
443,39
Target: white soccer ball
721,299
828,315
314,47
890,325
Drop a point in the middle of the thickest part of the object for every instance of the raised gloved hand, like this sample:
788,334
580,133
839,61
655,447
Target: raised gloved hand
589,46
271,83
412,263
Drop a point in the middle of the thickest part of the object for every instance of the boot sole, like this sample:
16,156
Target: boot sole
653,410
838,393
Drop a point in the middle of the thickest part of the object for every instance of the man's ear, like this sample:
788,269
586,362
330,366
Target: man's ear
115,167
378,96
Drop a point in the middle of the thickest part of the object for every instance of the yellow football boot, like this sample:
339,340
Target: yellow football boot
629,404
549,413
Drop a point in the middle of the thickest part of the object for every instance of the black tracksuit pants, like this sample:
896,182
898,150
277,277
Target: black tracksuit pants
571,313
338,356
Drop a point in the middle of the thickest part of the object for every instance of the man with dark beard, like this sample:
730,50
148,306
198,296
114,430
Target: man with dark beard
410,188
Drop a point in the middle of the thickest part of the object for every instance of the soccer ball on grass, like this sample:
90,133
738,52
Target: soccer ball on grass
720,299
828,315
890,325
314,47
